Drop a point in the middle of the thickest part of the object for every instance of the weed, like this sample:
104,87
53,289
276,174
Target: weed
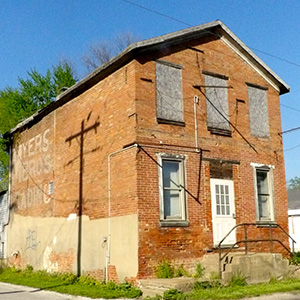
273,280
180,271
156,297
207,284
214,275
237,279
29,268
199,270
295,259
174,294
164,270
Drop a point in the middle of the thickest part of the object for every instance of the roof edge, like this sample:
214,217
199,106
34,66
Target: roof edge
149,44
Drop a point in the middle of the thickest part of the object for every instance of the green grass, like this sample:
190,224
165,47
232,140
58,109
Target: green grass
238,292
69,284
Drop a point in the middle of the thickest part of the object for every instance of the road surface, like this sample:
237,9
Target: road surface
18,292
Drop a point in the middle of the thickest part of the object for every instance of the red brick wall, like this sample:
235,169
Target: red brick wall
124,105
190,243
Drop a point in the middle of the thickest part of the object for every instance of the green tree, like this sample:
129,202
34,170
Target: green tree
294,183
32,94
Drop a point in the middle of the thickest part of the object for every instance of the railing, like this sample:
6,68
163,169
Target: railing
246,241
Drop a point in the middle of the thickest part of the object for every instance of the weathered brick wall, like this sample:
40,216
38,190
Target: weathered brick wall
51,151
175,244
118,111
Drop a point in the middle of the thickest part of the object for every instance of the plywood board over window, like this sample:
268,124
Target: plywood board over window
258,110
169,93
217,111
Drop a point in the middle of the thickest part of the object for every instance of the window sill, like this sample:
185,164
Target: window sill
174,223
218,131
170,122
266,223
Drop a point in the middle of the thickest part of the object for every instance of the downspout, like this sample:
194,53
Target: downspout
108,250
196,101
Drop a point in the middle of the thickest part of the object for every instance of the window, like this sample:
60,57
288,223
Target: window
264,193
258,110
169,93
172,188
217,103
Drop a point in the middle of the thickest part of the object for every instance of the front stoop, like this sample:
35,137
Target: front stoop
256,267
153,287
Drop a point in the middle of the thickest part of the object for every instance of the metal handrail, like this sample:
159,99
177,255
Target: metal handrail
246,240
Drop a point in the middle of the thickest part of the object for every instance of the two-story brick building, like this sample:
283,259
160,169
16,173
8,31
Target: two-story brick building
155,155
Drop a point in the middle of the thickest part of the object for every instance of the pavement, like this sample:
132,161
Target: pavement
278,296
18,292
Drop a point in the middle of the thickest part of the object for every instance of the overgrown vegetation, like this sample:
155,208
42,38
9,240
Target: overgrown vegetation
295,259
69,284
199,270
237,280
164,269
215,290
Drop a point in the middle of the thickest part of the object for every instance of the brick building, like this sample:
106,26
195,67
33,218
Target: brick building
155,155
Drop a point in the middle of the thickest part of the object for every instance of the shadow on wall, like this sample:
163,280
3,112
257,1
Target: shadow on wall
84,130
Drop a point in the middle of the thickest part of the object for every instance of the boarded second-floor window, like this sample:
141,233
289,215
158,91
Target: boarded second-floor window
169,92
217,104
258,111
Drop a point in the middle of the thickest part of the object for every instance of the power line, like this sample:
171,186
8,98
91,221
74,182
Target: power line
292,108
182,22
158,13
277,57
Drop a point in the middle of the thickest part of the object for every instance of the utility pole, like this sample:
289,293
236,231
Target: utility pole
81,135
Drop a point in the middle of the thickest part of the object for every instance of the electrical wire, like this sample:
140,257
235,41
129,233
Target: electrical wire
188,24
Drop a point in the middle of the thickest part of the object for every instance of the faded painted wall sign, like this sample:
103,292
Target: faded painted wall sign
32,158
32,162
32,240
33,196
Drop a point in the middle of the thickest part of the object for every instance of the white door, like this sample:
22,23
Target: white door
223,212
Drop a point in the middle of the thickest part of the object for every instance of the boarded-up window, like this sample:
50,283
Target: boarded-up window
169,92
217,104
258,111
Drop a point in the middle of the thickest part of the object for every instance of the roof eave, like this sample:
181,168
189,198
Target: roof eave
150,45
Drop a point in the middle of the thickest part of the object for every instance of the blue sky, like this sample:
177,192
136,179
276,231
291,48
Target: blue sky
39,33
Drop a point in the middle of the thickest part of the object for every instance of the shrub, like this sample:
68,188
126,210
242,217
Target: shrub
203,285
180,271
174,294
295,259
164,270
238,280
199,270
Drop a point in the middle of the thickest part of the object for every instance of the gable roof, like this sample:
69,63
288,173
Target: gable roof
215,28
293,199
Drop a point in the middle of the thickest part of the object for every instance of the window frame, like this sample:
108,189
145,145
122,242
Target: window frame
180,221
268,169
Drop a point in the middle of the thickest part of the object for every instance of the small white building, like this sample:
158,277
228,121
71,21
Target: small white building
4,218
294,217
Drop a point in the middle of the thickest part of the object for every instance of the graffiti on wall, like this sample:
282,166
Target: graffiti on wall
32,161
32,241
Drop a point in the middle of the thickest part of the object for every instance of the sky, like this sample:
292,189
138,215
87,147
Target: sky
37,34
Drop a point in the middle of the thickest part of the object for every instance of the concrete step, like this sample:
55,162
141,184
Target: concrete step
157,286
258,267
